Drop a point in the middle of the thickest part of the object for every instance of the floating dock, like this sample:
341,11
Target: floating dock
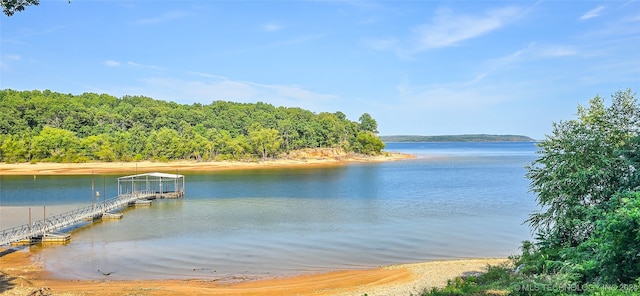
140,202
59,238
111,216
137,190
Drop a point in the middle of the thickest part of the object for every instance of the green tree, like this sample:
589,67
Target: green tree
580,167
368,143
14,149
238,146
99,148
195,145
368,124
9,7
264,141
11,121
57,145
219,142
165,144
288,133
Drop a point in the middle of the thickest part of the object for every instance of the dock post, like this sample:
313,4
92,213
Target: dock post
104,191
92,191
44,220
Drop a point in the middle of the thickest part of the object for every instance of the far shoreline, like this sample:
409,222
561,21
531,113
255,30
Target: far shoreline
88,168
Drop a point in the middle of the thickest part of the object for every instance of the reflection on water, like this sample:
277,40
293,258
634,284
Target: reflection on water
289,221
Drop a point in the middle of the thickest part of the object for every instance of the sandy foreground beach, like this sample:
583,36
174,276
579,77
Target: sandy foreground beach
22,274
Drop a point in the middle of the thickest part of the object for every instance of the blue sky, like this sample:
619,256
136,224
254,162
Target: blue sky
418,67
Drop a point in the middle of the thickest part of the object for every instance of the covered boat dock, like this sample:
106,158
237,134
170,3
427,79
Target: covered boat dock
158,185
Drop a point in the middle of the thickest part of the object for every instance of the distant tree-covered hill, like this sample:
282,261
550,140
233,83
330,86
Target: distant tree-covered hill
458,138
55,127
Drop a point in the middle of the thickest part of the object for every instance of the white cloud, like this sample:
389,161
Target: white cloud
13,41
272,27
531,52
289,92
297,40
476,79
281,43
481,103
134,64
485,88
112,63
185,91
45,31
5,59
217,87
171,15
208,75
115,64
557,51
11,57
404,86
509,59
592,13
459,95
448,29
381,44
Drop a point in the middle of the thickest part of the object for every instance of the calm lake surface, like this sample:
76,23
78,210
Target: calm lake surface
456,200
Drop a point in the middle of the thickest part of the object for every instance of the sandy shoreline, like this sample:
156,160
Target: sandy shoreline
45,168
20,274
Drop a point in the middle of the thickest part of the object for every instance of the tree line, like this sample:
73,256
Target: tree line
54,127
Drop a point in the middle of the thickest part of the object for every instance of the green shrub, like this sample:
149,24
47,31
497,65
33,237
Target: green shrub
615,244
496,278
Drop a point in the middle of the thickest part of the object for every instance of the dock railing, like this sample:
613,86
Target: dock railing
64,220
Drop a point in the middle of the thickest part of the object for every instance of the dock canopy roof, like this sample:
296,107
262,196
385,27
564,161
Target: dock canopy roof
161,184
157,175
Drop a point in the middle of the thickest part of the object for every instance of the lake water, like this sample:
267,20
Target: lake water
456,200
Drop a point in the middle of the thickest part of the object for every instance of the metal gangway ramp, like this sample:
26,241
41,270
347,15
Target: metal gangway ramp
64,220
